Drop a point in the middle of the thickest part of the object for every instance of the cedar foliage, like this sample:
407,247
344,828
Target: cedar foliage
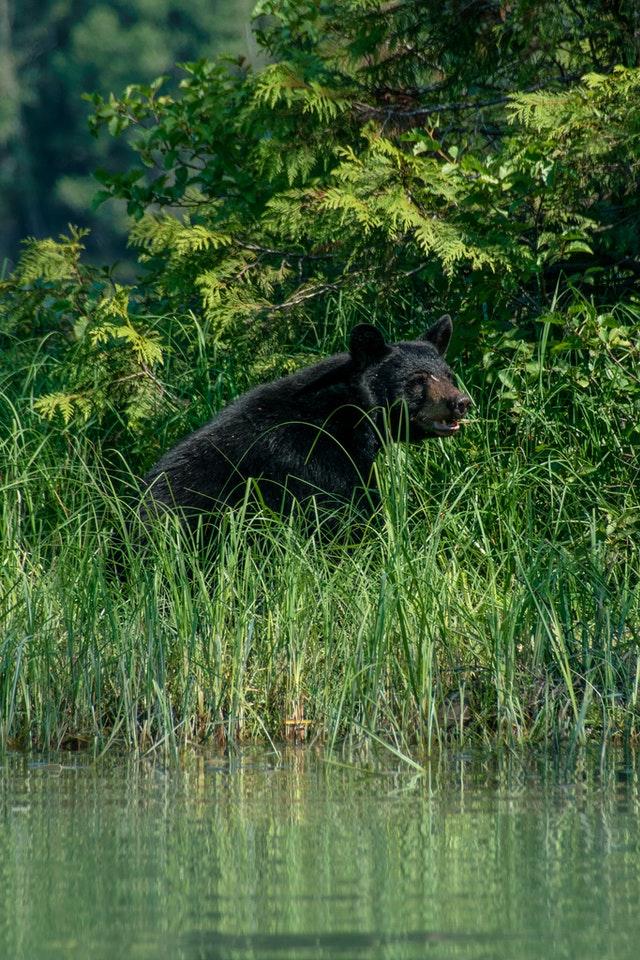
406,156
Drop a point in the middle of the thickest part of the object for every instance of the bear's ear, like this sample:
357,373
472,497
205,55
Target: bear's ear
439,334
366,346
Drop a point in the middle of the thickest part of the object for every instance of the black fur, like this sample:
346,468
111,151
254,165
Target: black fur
311,436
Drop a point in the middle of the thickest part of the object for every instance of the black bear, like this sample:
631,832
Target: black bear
311,438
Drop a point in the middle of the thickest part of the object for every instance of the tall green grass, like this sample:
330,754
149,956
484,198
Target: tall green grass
495,600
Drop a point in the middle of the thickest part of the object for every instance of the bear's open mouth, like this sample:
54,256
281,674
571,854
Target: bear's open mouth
443,428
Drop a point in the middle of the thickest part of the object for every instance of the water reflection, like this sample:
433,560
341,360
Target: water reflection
296,857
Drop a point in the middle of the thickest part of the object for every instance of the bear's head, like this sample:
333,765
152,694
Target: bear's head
410,381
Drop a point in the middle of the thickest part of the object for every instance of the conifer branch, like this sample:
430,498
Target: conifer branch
458,106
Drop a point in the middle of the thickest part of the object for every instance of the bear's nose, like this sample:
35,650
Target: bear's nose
460,405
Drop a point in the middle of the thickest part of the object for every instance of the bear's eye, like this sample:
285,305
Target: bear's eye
417,381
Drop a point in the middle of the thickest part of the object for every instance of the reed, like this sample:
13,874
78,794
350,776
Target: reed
494,600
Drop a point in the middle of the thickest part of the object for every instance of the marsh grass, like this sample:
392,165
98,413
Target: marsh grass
494,600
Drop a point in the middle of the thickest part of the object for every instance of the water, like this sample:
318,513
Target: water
260,857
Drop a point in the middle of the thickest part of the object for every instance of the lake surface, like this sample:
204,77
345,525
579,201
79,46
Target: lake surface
292,856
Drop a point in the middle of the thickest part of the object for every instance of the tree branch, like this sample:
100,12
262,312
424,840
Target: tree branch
459,105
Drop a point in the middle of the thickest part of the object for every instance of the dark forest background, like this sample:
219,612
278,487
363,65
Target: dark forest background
54,51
